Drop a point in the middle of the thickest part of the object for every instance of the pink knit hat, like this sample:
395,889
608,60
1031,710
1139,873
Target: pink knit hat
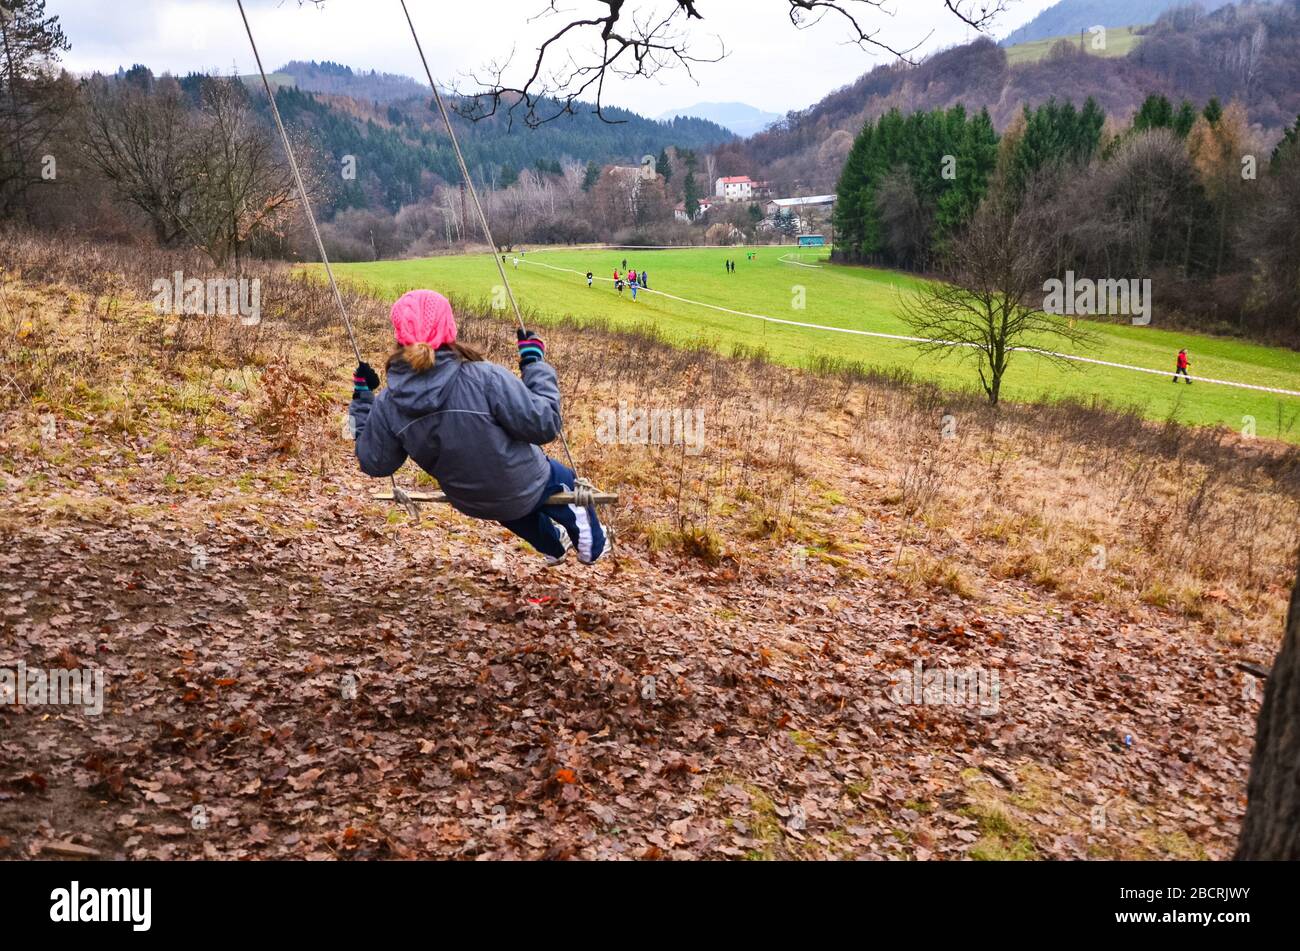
424,317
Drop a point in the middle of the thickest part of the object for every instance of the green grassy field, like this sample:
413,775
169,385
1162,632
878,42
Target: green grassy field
863,299
1119,41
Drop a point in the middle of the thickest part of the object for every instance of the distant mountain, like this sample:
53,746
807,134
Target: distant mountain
1068,17
741,118
334,79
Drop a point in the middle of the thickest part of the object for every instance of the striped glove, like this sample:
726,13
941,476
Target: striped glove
531,349
364,379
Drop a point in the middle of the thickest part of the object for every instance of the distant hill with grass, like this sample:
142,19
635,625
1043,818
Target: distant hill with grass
1068,17
1116,41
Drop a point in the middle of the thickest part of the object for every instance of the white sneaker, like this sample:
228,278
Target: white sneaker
567,542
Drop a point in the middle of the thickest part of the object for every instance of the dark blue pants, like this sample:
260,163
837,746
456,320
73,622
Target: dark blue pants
541,527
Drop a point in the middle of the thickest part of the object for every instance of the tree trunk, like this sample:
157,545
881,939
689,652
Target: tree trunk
1271,829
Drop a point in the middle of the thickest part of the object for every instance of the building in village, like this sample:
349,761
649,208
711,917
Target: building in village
679,211
740,188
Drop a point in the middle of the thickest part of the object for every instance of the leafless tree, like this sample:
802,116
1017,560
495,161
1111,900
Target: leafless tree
989,304
1134,212
139,137
246,190
214,177
1270,239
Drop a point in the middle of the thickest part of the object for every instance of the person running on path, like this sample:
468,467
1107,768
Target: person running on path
631,276
590,277
475,427
645,279
1183,364
632,284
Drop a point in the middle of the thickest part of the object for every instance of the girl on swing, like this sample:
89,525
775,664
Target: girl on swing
473,426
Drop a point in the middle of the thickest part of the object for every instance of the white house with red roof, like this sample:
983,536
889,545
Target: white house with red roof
735,188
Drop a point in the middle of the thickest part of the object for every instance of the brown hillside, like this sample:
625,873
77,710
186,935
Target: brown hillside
779,589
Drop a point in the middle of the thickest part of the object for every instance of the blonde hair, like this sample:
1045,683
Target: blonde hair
421,357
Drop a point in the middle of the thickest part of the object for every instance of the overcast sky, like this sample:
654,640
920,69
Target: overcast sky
770,64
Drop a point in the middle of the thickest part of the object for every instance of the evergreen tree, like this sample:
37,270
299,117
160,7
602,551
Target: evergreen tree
663,167
909,183
591,176
1288,148
1185,119
33,99
976,157
850,209
1156,112
1056,134
692,195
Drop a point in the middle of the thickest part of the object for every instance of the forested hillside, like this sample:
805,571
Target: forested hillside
386,123
336,79
1249,53
401,144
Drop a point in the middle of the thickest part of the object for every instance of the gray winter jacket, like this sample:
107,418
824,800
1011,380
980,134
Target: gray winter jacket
475,427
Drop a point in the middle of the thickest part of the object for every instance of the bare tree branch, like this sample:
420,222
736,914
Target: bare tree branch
639,38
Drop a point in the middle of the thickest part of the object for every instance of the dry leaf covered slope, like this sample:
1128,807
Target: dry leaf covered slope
313,674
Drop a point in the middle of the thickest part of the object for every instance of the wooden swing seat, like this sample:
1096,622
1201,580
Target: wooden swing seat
560,498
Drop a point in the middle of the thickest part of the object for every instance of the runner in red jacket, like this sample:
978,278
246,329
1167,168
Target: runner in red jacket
1183,364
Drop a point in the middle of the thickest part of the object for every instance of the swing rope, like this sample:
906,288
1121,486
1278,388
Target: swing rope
584,494
297,177
398,495
582,487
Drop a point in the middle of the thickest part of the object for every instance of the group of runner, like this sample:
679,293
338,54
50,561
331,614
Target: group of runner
628,278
